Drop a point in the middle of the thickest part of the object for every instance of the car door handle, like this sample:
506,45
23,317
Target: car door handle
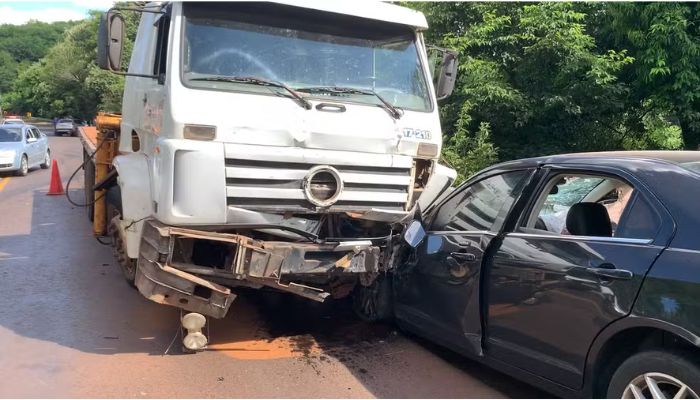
611,273
463,256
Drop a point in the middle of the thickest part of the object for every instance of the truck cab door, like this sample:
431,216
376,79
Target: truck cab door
437,293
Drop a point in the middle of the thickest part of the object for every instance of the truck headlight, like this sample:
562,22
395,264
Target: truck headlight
199,132
7,153
427,150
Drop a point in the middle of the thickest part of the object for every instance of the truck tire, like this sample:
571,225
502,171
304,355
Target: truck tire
656,374
127,265
373,303
89,179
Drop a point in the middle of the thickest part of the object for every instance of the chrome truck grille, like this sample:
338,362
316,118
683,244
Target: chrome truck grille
314,185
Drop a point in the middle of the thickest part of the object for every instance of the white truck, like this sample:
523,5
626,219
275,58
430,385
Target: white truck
266,145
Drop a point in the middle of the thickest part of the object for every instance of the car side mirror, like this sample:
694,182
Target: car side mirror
447,75
414,234
110,41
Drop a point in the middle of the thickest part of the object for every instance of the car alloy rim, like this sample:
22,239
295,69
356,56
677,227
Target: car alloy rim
24,165
47,158
655,385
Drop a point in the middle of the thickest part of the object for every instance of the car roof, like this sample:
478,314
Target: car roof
668,156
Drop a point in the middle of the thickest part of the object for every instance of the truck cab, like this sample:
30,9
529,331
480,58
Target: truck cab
272,144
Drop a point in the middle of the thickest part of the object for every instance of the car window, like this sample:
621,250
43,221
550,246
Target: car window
69,121
10,135
641,222
478,206
590,205
30,133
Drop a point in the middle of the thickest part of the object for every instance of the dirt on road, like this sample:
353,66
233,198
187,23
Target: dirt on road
70,326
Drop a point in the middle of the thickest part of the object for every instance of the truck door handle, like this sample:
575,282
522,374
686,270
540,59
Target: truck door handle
463,256
608,271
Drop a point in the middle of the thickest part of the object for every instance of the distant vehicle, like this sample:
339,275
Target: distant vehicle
13,121
23,147
66,126
577,273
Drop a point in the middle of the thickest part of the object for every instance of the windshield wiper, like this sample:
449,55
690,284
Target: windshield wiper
393,111
256,81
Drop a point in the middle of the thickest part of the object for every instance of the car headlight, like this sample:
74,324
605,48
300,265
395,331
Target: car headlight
7,153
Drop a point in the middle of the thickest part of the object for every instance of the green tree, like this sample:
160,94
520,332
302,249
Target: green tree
664,39
66,80
532,78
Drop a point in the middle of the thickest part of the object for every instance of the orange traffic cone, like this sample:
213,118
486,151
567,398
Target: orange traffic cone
56,186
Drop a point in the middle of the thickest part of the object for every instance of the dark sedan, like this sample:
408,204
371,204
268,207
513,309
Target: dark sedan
578,273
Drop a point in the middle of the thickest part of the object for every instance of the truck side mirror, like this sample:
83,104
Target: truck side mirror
414,234
110,41
447,75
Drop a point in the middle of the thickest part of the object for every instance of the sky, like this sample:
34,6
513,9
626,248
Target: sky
19,12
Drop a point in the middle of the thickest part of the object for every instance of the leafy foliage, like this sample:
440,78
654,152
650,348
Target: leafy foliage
66,80
545,78
24,44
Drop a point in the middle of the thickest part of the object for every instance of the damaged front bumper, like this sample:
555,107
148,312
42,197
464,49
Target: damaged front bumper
195,269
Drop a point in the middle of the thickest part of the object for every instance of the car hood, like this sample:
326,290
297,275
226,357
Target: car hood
11,146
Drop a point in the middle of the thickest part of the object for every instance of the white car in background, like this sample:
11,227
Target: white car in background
66,126
13,121
23,147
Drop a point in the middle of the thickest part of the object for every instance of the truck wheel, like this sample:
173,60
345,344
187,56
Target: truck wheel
128,265
655,375
373,303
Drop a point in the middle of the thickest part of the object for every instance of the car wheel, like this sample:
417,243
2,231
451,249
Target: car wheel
23,166
373,303
47,160
656,375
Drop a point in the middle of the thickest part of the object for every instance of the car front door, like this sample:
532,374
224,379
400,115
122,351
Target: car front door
42,145
437,290
572,264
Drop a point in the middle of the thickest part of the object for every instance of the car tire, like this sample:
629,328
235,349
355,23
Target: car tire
47,160
662,372
23,166
373,303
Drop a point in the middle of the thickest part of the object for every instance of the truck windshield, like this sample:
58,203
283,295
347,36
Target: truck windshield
302,49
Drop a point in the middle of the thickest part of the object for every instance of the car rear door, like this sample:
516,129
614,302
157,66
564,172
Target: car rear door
32,146
437,293
562,274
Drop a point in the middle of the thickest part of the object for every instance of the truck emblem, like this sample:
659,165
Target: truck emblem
322,185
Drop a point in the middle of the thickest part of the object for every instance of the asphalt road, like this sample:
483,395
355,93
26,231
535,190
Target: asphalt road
71,327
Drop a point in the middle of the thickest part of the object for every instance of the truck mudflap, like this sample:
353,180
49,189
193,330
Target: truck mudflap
194,269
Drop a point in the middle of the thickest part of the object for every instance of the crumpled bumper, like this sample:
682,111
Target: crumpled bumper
172,271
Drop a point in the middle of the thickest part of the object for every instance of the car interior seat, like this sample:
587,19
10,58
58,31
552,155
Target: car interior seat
588,219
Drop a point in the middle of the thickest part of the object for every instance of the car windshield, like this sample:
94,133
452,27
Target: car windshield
10,134
568,192
309,51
